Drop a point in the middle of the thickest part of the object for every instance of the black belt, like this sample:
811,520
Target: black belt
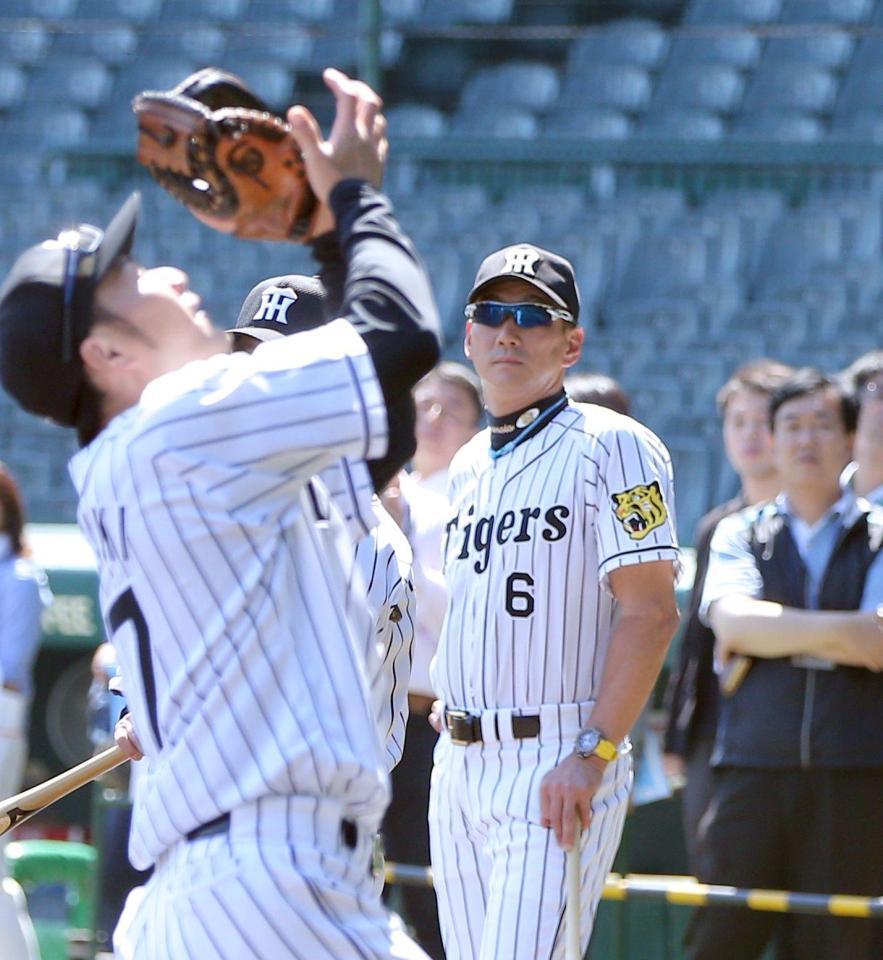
349,830
465,727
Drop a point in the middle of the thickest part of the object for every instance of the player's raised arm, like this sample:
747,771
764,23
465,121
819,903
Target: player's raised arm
387,294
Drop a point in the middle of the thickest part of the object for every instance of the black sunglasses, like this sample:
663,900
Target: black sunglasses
490,313
80,247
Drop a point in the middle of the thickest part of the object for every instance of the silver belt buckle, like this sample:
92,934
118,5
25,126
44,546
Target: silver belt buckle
459,715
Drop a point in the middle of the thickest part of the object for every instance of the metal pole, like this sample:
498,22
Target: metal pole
369,46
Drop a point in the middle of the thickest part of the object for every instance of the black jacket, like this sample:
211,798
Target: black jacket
785,715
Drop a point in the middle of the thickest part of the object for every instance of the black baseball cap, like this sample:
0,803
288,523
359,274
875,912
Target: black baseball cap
280,306
523,261
46,313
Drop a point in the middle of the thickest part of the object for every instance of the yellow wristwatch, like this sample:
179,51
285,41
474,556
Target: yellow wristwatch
592,743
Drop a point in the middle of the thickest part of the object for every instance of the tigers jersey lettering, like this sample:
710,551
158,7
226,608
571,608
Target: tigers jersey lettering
532,539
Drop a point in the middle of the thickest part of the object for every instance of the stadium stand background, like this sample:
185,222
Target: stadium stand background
714,169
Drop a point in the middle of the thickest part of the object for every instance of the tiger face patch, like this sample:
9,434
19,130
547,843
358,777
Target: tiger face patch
640,509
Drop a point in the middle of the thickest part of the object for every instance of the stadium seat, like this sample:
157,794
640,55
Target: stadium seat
721,234
401,11
778,125
654,208
755,210
681,124
734,48
12,85
52,9
830,50
204,43
862,125
77,80
790,86
672,319
467,11
826,11
415,120
25,42
621,87
860,222
154,74
111,43
290,12
501,121
663,265
703,86
732,11
51,127
796,245
531,86
138,11
273,82
862,89
590,123
276,43
640,43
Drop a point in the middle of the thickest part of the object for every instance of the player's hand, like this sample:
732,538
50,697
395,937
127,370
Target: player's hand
435,716
125,738
566,793
357,144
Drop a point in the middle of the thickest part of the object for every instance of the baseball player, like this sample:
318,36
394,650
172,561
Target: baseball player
222,569
281,306
559,561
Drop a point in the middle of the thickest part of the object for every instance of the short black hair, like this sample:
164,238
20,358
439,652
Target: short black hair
809,380
762,376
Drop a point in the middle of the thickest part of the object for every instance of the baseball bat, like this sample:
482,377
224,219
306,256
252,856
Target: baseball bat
24,805
572,906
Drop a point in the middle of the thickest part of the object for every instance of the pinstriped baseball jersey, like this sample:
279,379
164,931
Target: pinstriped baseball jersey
383,559
534,535
382,573
220,577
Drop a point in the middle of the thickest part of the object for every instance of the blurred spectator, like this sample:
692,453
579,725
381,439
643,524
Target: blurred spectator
692,696
865,379
598,388
794,591
24,593
449,412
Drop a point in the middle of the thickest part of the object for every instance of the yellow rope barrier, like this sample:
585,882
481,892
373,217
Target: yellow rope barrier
686,891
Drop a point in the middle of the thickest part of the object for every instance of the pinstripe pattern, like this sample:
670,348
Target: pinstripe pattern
383,559
560,529
500,875
533,538
383,568
247,895
261,676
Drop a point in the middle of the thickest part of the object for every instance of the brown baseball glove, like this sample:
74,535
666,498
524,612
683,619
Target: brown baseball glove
216,147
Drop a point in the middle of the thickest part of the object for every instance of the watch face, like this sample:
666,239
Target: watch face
587,741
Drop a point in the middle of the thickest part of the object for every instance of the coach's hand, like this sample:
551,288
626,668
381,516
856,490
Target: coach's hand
357,145
566,792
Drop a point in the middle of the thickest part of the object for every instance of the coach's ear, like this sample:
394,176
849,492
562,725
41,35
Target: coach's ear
576,336
467,338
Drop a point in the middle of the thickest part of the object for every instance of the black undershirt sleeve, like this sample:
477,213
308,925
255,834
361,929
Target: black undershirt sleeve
374,278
